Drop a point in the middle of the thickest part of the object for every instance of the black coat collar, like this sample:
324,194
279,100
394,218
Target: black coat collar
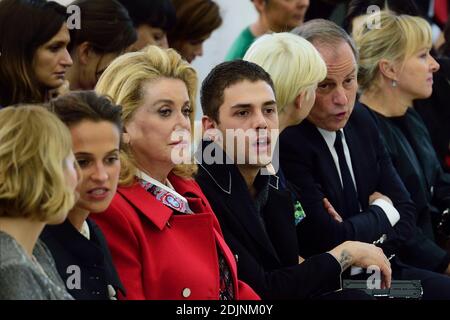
224,174
238,201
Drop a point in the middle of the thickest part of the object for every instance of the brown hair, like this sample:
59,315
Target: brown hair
24,26
77,106
225,75
195,20
105,25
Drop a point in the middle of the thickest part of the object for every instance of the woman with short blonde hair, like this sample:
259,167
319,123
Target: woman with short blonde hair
38,178
164,237
398,38
295,67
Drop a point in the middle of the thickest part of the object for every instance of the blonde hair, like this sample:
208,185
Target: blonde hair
397,39
293,63
124,80
34,144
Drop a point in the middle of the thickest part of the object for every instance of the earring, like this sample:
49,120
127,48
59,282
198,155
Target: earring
394,83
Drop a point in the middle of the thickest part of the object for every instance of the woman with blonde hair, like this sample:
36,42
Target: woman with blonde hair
38,178
395,68
164,238
295,67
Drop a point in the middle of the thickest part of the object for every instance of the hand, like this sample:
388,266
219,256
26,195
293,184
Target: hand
363,255
330,209
61,90
376,195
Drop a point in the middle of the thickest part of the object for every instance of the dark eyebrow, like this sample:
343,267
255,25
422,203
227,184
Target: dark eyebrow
248,105
269,103
58,42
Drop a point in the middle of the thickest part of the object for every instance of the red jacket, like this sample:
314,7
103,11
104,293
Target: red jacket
159,255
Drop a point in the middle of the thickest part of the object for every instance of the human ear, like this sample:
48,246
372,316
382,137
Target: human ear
84,52
388,69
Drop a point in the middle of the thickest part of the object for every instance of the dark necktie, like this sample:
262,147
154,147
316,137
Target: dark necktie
351,205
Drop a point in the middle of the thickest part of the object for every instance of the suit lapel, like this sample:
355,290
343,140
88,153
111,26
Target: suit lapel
328,168
146,204
250,219
239,203
280,221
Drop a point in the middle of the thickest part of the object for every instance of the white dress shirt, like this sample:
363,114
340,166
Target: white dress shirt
330,136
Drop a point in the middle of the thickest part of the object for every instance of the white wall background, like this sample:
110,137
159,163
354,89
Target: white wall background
236,15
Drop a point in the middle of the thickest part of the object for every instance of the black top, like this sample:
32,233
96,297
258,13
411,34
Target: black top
267,256
85,266
409,145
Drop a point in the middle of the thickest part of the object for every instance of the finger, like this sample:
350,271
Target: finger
386,276
335,215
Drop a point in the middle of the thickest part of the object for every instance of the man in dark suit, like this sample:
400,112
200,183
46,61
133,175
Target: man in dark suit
336,156
255,214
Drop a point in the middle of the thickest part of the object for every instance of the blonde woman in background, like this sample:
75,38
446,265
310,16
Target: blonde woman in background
395,68
295,67
38,177
164,238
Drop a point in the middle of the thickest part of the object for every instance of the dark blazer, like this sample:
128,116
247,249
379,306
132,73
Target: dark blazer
70,248
308,164
267,253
